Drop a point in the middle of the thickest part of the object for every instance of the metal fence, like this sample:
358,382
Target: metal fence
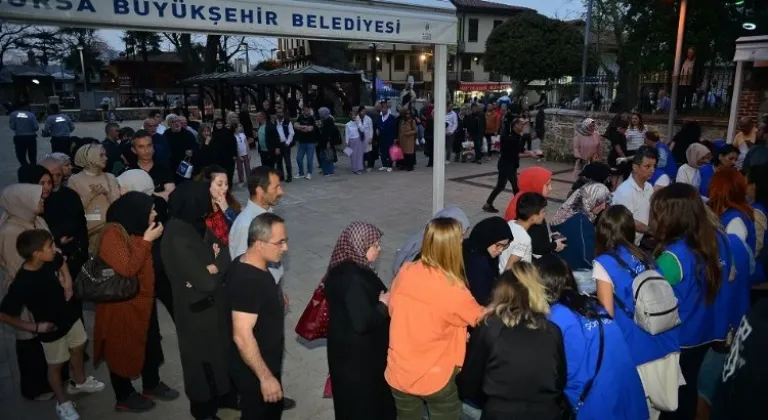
709,95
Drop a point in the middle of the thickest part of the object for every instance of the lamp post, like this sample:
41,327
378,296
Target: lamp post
82,65
247,58
585,52
374,67
676,69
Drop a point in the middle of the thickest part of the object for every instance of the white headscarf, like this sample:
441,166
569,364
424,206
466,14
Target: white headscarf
136,180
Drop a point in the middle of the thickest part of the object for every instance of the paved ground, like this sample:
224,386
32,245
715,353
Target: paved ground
316,211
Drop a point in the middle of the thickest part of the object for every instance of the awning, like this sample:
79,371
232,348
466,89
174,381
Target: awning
751,48
281,76
399,21
484,86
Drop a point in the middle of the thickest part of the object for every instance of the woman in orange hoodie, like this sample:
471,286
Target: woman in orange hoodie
430,308
492,126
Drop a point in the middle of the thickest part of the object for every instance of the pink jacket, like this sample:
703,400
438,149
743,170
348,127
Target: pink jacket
586,146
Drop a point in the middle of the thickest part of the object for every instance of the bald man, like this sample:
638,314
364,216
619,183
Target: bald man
65,216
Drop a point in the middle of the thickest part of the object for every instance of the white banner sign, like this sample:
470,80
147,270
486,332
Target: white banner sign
361,21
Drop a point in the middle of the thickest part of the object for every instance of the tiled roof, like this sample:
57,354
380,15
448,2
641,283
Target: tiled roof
482,4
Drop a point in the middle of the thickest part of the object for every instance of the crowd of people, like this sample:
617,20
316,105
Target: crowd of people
525,316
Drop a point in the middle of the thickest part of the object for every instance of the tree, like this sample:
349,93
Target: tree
46,46
267,65
532,47
142,43
11,37
93,48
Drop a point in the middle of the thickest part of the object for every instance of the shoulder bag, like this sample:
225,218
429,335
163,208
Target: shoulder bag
98,282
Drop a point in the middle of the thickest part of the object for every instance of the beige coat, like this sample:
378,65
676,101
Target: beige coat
407,136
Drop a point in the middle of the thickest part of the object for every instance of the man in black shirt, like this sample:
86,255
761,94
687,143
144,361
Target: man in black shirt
161,173
512,149
306,136
57,317
258,320
111,145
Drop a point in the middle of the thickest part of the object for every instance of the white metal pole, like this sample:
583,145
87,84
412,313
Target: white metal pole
585,54
438,144
735,101
85,76
676,69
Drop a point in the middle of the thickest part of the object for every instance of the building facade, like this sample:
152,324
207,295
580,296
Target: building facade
395,63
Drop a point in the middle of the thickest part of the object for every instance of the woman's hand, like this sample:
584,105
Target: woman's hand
216,250
153,232
560,244
212,269
221,201
98,189
384,298
208,140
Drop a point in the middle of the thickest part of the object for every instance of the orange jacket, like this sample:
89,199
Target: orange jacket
492,123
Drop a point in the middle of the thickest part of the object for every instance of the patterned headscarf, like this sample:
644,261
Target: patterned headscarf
353,244
584,200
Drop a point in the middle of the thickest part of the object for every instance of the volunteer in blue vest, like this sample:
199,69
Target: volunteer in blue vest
657,357
59,128
666,168
24,126
723,157
728,199
692,256
602,381
386,129
286,133
757,194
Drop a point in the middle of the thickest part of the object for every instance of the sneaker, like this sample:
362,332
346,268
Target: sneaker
288,403
44,396
161,392
66,411
489,208
309,176
135,403
382,169
389,169
90,386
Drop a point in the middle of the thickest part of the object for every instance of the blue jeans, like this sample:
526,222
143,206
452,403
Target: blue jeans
325,164
308,150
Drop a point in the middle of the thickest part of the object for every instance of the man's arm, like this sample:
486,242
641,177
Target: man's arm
242,329
18,323
167,190
291,133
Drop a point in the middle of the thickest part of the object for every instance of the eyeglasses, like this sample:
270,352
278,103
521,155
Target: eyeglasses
280,243
502,245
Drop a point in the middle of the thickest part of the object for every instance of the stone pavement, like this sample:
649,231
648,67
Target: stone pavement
316,211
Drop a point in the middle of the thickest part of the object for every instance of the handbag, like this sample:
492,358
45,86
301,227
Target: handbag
98,282
572,412
313,323
396,153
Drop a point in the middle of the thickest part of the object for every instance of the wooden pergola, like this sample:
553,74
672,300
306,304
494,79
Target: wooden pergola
223,88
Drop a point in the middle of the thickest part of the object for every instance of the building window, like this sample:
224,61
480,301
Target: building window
413,62
399,62
466,62
472,36
497,23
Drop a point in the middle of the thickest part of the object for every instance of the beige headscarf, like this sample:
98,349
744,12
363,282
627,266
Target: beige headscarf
20,201
136,180
694,153
88,157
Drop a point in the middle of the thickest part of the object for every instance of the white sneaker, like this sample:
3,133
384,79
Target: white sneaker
382,169
309,176
90,386
389,169
66,411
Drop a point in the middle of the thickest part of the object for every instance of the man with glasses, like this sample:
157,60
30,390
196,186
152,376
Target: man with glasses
512,149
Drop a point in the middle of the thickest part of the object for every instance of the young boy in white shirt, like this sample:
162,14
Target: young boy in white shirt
531,210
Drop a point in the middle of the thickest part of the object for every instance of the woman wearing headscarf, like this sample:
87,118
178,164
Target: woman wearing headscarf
586,144
575,221
358,327
696,156
196,262
65,162
22,205
222,149
481,250
410,250
594,172
537,180
96,188
123,333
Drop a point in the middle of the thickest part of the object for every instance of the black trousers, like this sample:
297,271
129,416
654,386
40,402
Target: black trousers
266,159
489,142
369,159
507,173
150,373
283,163
253,407
26,148
62,145
688,395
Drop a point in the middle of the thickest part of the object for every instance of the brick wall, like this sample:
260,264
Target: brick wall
749,103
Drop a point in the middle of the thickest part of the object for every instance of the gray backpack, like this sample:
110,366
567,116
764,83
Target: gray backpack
655,305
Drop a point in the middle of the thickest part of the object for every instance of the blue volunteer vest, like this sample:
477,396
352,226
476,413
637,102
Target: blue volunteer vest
667,165
733,300
731,214
617,392
707,172
758,276
643,347
696,315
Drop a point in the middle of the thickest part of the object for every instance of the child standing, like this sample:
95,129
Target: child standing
531,210
243,155
58,325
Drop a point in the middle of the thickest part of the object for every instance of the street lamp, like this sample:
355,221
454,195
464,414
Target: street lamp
82,65
749,26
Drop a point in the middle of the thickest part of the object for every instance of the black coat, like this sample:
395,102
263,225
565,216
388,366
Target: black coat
200,308
358,338
64,214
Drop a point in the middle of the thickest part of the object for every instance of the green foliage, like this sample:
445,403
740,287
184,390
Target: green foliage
531,47
142,44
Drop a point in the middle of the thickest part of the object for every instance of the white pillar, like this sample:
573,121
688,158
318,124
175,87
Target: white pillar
676,70
735,101
438,144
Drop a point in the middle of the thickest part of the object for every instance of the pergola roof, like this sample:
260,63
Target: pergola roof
276,77
751,48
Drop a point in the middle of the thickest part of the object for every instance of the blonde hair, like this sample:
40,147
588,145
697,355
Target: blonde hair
519,298
441,249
